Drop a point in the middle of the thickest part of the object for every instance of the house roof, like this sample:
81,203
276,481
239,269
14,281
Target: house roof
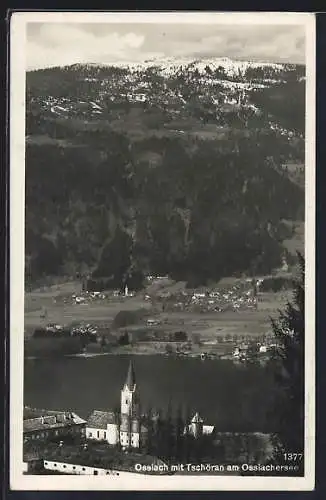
131,378
100,419
53,421
30,413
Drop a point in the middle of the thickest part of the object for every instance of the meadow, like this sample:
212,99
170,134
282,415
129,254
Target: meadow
54,305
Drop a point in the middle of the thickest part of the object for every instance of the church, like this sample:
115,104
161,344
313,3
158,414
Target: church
128,427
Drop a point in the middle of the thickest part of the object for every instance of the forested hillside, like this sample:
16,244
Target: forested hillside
184,176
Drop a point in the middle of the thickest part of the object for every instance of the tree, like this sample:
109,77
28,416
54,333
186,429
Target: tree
157,433
289,372
168,349
252,352
180,336
124,339
188,441
115,257
208,70
150,444
179,431
169,432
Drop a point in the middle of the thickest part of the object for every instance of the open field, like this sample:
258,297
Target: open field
68,314
208,325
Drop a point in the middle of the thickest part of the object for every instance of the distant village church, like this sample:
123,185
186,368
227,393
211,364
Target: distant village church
126,428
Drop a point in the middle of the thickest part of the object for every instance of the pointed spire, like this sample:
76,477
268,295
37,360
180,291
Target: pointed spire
131,379
197,418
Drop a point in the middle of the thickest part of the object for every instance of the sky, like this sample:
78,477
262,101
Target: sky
56,44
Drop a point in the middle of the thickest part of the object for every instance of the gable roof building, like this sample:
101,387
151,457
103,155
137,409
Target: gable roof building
45,424
101,419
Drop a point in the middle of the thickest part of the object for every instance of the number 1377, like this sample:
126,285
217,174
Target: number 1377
292,456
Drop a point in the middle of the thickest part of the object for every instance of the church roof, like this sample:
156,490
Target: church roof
197,418
100,419
131,379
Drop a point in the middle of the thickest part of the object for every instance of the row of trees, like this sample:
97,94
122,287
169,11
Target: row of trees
170,439
289,364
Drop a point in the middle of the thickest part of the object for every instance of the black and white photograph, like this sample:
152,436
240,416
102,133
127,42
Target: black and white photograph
162,251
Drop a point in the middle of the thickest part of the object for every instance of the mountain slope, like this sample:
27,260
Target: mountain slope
163,169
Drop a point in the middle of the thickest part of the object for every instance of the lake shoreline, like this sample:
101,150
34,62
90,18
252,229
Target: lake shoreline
98,354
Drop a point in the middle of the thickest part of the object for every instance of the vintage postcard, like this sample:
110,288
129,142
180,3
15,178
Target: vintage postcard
162,238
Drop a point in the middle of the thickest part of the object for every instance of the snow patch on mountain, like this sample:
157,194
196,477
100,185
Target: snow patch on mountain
167,66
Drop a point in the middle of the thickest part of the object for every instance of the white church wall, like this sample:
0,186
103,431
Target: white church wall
134,440
112,434
124,438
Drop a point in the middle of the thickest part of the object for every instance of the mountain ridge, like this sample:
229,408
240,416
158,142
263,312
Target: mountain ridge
231,65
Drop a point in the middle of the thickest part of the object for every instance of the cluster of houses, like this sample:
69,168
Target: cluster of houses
58,330
283,131
236,297
242,352
88,297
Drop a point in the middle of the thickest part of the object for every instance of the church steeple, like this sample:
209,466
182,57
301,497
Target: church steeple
131,378
129,394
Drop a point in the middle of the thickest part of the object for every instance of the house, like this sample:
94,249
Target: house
152,322
32,462
102,426
43,424
197,428
77,469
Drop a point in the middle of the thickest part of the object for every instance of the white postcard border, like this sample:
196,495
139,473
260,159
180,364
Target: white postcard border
18,481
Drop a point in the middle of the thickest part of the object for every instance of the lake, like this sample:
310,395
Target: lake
235,398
